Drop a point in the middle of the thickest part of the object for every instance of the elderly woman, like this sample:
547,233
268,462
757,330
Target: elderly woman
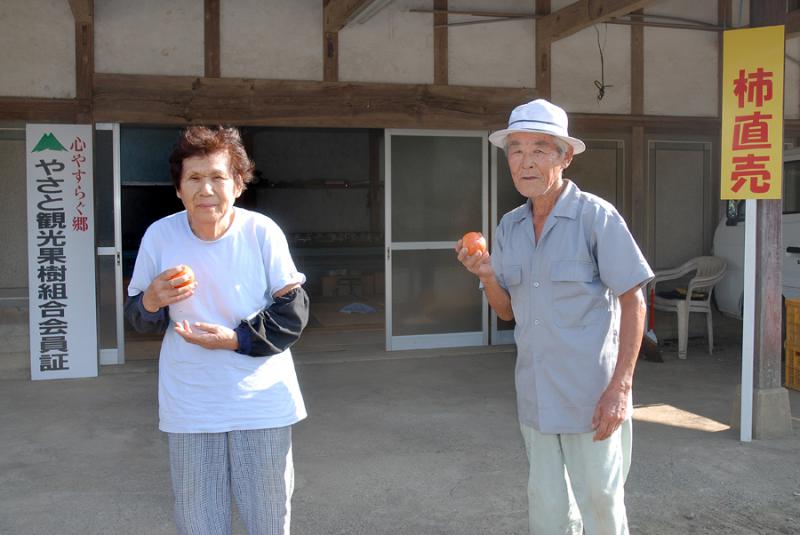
228,393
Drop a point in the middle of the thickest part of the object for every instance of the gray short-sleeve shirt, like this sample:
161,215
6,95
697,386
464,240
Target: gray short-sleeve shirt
563,293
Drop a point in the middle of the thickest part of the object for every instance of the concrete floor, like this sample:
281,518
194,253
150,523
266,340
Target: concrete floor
416,442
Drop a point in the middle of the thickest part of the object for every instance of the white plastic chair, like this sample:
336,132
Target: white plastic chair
709,271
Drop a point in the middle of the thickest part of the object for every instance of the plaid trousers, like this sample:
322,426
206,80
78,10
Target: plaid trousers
256,464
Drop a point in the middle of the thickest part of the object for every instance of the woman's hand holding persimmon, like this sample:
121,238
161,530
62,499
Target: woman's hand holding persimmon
170,286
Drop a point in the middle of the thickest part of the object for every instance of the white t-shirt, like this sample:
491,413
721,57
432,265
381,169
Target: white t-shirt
217,390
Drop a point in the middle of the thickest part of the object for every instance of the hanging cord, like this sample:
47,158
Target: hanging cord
601,84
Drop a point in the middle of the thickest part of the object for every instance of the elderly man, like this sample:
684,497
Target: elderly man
565,267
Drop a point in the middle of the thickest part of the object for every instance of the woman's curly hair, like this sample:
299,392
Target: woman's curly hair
204,141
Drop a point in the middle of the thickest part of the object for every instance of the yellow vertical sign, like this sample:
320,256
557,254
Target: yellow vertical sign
752,113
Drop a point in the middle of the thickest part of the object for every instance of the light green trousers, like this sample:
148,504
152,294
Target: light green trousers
576,484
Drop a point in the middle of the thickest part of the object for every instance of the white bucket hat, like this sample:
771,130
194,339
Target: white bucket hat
538,116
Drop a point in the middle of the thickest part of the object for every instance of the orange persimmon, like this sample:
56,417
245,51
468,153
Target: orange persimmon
185,271
474,242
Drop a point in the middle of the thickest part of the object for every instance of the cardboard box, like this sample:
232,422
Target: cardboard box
342,287
368,285
329,283
380,283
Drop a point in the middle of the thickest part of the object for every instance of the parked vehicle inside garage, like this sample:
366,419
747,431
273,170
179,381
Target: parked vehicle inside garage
729,242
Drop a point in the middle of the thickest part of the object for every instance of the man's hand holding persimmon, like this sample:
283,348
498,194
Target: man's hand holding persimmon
479,264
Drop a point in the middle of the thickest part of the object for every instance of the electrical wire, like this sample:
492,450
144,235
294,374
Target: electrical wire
601,84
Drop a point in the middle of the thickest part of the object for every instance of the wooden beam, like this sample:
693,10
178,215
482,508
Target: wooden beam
330,56
725,20
673,25
585,13
490,17
771,411
793,24
212,38
143,99
46,110
769,255
543,59
767,12
543,31
637,69
189,100
440,51
83,13
374,196
638,213
82,10
336,13
638,178
84,59
792,30
661,123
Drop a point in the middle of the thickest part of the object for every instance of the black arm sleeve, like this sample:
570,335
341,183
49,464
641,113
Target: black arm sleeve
142,320
276,328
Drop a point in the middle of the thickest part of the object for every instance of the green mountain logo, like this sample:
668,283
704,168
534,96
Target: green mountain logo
48,142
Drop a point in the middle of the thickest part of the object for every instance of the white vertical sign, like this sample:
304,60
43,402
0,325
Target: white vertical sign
61,279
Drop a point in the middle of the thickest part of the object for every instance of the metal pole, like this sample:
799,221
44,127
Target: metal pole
748,323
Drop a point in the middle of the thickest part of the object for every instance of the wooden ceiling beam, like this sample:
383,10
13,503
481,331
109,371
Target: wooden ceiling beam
593,122
586,13
336,13
139,99
82,10
44,110
145,99
182,100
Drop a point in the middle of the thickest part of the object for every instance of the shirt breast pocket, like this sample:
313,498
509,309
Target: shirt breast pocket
512,275
577,299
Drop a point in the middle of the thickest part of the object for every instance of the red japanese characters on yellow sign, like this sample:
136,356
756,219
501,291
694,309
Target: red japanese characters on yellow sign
752,113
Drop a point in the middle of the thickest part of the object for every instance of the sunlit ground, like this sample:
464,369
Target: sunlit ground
660,413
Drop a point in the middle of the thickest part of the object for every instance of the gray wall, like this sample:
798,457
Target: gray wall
13,216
